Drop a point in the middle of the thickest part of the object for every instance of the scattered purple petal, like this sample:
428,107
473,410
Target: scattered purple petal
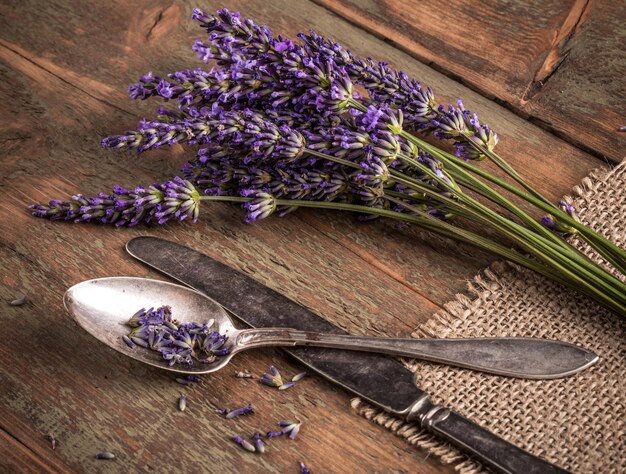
243,443
272,379
286,385
244,375
245,410
53,441
304,469
274,434
19,301
128,341
183,381
105,455
298,377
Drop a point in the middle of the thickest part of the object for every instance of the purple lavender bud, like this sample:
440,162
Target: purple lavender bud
260,207
53,440
273,379
298,377
245,410
258,443
193,378
274,434
19,301
286,385
182,381
244,375
304,469
139,341
128,342
105,455
567,208
182,402
293,433
243,443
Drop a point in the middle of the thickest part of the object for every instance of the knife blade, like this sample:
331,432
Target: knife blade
379,379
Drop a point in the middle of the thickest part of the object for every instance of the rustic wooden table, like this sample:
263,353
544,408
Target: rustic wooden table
548,75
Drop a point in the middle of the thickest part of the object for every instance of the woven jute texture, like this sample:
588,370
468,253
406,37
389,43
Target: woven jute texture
578,422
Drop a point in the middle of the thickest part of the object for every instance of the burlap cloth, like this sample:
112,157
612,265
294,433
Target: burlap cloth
578,422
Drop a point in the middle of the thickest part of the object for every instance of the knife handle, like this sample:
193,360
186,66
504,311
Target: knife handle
521,357
490,449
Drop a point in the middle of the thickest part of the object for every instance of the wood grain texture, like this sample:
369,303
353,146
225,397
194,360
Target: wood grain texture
561,63
63,81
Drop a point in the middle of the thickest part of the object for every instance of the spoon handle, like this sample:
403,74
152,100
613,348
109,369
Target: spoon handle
520,357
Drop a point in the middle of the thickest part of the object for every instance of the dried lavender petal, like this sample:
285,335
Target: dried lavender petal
20,301
272,379
243,443
294,431
298,377
183,381
128,341
105,455
244,410
244,375
182,402
304,469
53,441
274,434
286,385
222,411
286,423
139,341
193,378
258,443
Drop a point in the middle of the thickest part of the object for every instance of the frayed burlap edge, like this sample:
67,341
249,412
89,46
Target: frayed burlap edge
458,310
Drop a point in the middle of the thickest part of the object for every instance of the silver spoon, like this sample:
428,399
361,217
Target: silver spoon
103,306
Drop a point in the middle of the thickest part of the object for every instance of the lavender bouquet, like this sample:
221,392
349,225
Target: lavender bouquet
280,124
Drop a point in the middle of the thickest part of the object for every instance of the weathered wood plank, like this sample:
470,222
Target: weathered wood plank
93,399
61,93
561,63
527,147
17,458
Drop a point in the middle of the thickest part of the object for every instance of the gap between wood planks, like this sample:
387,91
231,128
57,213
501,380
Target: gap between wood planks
579,13
17,449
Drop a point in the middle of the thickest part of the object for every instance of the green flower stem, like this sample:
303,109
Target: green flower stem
486,244
530,241
538,201
483,243
341,161
489,193
601,244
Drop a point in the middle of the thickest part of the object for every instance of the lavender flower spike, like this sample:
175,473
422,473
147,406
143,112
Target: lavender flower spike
304,469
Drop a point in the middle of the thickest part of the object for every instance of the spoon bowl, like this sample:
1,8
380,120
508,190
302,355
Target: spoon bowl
103,307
